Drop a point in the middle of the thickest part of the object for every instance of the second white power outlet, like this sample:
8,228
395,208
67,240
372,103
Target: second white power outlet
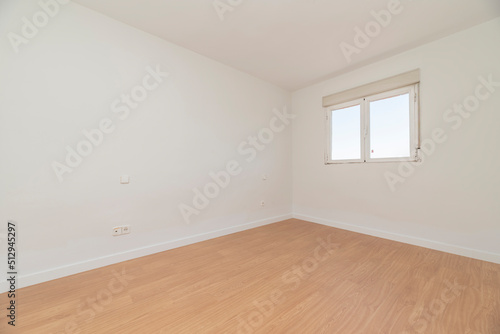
120,230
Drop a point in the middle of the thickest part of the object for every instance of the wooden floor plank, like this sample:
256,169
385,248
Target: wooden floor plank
288,277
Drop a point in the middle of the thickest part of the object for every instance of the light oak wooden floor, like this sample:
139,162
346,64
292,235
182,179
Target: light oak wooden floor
288,277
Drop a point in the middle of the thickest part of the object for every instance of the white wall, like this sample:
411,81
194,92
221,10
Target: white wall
63,81
450,202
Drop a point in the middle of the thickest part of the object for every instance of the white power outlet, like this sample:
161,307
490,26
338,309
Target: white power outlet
117,231
120,230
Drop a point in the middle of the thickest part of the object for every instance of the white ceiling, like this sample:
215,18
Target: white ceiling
293,43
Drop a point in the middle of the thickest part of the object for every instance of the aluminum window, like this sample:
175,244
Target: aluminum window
377,128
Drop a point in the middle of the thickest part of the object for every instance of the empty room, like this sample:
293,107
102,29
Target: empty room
238,166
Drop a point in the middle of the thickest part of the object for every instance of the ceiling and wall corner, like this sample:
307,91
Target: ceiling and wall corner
296,43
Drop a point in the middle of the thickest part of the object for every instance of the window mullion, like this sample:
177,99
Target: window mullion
365,129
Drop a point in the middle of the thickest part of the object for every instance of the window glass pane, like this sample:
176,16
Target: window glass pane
346,135
390,127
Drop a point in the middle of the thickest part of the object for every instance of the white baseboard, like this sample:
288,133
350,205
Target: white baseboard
54,273
407,239
75,268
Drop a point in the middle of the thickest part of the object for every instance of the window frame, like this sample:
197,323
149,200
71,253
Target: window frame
364,103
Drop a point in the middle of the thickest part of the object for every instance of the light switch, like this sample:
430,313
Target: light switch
124,179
